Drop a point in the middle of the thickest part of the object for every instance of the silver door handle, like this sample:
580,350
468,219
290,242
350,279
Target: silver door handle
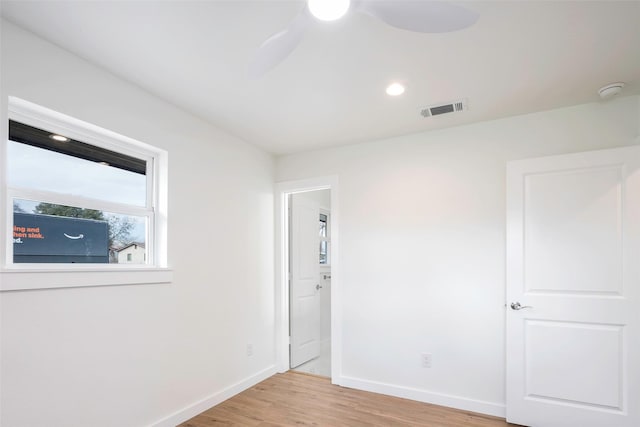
517,306
318,287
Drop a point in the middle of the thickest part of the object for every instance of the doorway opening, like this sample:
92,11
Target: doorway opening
307,292
310,282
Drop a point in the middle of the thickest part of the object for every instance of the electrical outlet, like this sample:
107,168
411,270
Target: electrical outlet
426,360
249,349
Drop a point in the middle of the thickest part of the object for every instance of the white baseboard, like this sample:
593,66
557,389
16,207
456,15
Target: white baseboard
216,398
466,404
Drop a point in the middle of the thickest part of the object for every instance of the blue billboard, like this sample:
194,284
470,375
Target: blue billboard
57,239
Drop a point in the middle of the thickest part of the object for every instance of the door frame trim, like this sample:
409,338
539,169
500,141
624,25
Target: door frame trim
282,191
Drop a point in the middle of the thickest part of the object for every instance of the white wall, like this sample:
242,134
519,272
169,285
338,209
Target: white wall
323,197
133,355
422,256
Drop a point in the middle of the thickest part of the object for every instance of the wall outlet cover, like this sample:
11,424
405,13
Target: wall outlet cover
426,360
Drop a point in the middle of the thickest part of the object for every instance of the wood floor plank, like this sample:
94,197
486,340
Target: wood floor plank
295,399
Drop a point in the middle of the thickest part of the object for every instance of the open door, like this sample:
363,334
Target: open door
573,290
305,326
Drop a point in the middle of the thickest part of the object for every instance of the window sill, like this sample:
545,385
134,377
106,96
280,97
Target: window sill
31,279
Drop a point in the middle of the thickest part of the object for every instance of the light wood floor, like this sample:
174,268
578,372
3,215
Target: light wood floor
298,399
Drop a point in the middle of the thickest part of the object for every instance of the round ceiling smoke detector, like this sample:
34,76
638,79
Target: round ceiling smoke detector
610,90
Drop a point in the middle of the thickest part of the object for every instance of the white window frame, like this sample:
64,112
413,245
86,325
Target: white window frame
22,276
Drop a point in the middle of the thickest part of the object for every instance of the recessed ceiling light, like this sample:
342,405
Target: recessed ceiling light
395,89
328,10
59,138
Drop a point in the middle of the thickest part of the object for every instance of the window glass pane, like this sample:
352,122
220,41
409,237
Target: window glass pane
323,252
50,233
46,170
323,225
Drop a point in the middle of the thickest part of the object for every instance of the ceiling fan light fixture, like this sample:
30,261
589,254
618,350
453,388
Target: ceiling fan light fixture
395,89
417,15
328,10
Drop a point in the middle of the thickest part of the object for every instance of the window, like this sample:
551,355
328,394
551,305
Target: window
104,195
80,194
324,239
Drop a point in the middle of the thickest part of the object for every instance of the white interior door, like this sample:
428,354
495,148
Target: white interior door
573,255
305,326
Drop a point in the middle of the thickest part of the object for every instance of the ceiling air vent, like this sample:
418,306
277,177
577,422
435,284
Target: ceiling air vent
436,110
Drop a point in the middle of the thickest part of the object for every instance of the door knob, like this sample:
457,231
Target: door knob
318,287
517,306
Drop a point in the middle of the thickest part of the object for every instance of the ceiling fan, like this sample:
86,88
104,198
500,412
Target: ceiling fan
423,16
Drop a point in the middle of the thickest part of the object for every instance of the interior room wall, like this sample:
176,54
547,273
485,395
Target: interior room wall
148,354
323,197
422,255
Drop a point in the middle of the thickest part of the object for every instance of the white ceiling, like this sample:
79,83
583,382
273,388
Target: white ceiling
520,57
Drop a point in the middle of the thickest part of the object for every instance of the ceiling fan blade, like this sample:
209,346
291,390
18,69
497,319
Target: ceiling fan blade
277,47
420,16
